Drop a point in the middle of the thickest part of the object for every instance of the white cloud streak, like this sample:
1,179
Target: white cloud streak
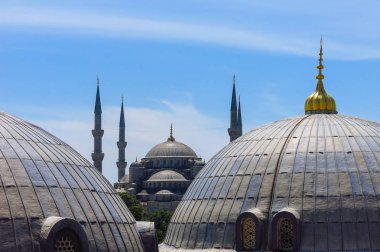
106,25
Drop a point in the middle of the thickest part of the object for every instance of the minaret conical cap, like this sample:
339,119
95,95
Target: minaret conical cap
171,138
320,102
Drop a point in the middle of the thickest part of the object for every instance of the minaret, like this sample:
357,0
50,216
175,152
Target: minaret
97,132
233,130
240,123
121,144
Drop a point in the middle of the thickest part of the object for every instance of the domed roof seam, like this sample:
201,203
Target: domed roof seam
277,167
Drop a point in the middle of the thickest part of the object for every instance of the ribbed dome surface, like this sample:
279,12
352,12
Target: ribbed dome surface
324,166
166,175
171,149
40,177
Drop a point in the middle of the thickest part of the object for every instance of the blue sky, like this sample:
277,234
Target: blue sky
174,60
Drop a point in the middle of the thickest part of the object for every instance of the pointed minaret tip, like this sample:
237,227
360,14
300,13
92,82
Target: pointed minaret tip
122,120
171,138
98,106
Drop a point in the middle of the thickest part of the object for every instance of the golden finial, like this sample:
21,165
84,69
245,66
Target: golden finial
320,102
171,138
320,76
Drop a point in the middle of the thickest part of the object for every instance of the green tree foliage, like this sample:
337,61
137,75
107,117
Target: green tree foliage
134,206
161,218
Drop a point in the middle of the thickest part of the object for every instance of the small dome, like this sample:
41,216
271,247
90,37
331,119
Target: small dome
124,179
320,102
164,192
136,163
143,192
167,175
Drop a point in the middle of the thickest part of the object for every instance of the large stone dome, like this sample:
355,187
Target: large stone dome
319,174
52,198
171,148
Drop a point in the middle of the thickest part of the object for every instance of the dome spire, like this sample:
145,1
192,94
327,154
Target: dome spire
171,138
320,102
320,76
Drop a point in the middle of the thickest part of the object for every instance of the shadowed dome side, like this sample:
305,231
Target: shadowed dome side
42,178
323,169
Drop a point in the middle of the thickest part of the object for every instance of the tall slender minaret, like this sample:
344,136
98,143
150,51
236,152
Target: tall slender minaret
97,132
234,130
121,144
240,124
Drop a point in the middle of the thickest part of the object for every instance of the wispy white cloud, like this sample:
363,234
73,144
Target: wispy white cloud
70,21
144,128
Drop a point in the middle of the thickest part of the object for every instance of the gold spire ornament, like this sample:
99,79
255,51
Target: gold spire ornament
320,102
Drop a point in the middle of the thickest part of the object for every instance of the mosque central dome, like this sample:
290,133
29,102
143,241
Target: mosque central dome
171,148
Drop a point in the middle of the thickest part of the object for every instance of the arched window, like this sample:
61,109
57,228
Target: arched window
68,241
285,229
248,230
248,233
63,234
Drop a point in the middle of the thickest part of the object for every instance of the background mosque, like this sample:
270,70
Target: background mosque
160,179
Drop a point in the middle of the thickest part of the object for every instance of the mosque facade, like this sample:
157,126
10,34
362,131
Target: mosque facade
160,179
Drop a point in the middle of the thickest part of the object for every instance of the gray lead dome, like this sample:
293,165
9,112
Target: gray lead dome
321,170
46,185
171,149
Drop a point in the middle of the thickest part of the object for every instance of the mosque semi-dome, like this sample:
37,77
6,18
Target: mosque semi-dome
309,183
53,199
167,175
